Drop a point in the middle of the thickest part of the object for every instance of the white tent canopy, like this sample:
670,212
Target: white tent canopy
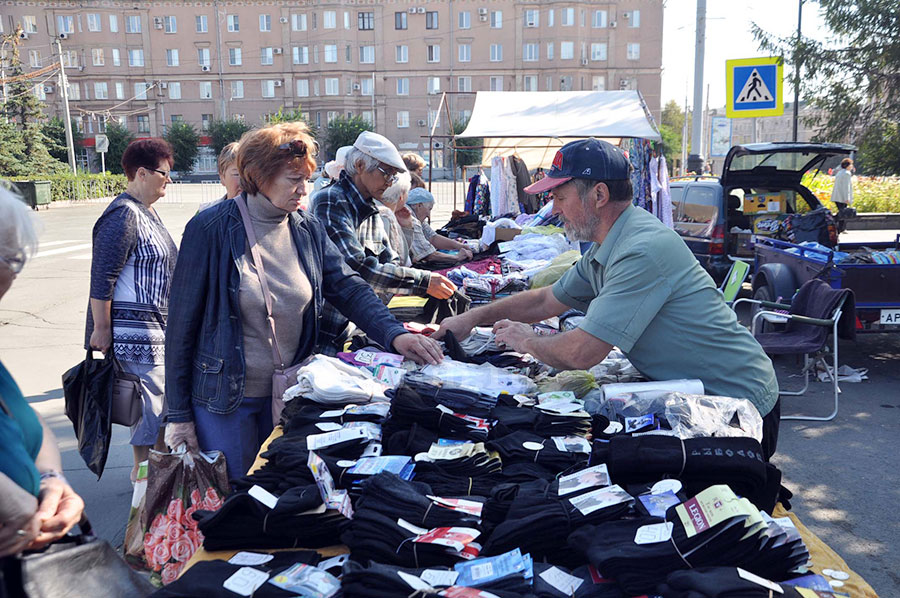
534,124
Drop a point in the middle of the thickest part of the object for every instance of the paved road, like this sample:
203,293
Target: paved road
845,474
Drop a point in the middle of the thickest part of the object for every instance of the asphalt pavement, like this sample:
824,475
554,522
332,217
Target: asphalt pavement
845,474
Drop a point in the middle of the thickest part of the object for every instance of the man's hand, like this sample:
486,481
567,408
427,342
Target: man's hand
19,525
404,217
461,327
178,433
59,510
464,255
101,339
513,334
420,349
440,287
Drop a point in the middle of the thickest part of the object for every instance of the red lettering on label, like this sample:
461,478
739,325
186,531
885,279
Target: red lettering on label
558,160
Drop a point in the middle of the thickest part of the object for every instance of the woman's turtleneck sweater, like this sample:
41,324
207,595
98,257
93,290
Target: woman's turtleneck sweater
291,294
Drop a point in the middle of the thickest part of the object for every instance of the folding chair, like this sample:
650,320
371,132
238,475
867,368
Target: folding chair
812,315
731,286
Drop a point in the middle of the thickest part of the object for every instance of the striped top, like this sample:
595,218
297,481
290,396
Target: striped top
133,261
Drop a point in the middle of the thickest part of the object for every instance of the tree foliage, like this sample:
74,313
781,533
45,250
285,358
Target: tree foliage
54,131
466,157
119,138
185,142
853,78
223,132
343,131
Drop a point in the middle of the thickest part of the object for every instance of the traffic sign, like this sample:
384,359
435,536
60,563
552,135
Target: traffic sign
753,87
101,143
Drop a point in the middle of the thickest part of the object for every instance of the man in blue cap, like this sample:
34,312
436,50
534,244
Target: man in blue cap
641,290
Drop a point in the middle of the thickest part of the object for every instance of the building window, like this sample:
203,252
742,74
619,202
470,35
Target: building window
113,23
301,54
403,86
265,23
568,17
598,83
140,91
265,56
201,23
93,22
330,116
34,58
464,84
531,52
177,118
431,19
402,54
367,86
303,88
329,19
433,53
40,93
634,51
170,25
233,23
132,23
172,57
532,18
550,51
400,20
434,119
332,86
70,58
136,57
598,51
330,53
366,20
465,52
203,57
346,19
465,19
316,88
174,90
120,90
403,119
101,91
635,19
529,83
206,90
496,19
434,85
565,83
268,88
298,21
237,90
367,54
116,59
497,83
29,24
235,57
143,123
74,91
65,24
599,20
496,52
566,50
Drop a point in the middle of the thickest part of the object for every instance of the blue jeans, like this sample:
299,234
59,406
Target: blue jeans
238,434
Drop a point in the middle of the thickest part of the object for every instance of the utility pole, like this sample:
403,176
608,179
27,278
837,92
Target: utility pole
797,70
695,160
65,93
684,132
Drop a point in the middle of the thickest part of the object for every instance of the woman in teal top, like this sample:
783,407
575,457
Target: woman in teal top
37,504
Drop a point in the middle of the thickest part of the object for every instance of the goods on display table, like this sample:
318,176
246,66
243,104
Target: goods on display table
473,480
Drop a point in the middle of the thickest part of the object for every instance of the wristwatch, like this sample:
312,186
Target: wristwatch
52,473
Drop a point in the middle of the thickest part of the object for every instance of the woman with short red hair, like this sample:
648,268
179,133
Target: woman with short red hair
131,272
220,350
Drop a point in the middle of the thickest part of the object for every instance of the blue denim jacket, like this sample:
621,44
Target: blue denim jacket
204,340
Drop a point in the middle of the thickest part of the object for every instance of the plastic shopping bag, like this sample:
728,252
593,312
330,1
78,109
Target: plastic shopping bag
133,547
88,389
179,483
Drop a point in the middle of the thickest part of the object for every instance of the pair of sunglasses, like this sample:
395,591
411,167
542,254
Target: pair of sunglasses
299,148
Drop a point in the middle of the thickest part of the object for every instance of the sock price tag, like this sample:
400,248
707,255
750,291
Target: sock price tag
769,585
562,581
250,558
263,496
654,533
437,577
245,581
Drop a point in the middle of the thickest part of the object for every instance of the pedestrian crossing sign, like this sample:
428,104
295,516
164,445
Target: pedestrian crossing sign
753,87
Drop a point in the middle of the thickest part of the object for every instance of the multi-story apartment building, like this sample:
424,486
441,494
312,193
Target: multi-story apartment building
150,63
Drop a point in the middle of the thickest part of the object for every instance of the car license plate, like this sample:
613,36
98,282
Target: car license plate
890,316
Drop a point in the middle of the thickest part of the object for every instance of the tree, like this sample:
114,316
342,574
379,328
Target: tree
470,156
119,138
223,132
54,131
852,80
672,130
344,131
185,142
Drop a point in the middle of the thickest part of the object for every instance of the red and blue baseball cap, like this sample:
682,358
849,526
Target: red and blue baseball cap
593,159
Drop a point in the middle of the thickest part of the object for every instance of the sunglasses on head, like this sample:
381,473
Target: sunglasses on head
299,148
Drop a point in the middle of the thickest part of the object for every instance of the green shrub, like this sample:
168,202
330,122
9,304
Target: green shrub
870,193
81,186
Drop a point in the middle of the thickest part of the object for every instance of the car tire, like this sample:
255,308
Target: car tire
763,293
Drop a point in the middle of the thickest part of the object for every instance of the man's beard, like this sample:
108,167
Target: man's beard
582,231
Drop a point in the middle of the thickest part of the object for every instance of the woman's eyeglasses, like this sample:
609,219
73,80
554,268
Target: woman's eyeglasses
15,263
299,148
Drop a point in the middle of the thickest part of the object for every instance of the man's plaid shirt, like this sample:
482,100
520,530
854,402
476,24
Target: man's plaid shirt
354,225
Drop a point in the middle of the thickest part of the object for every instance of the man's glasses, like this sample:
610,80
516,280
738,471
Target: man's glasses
299,148
390,178
15,263
165,173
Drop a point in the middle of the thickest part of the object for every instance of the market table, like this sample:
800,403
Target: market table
822,556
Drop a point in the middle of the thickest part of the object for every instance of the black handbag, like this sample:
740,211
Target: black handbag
76,566
127,404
